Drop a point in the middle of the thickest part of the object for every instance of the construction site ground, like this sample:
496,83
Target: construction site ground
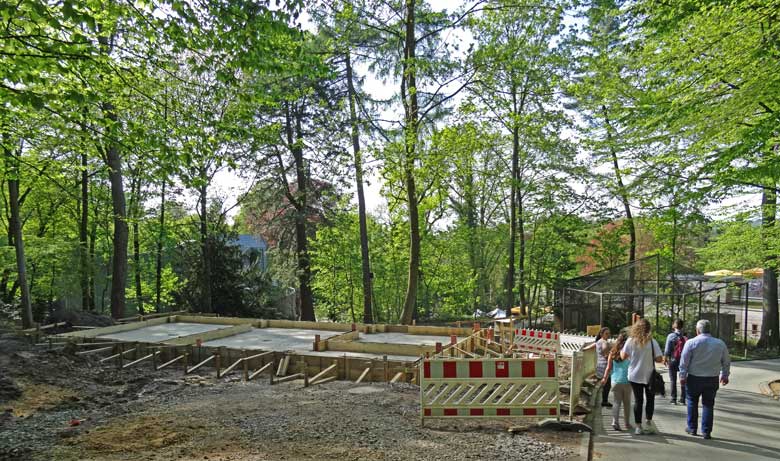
56,405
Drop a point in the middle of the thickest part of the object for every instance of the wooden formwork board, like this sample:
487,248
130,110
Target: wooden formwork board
219,320
115,328
411,350
209,335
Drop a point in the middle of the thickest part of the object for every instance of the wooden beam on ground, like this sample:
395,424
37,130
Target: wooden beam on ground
283,364
230,368
82,327
397,377
169,362
190,370
209,335
95,351
95,332
324,380
110,357
146,357
323,373
260,370
292,377
363,375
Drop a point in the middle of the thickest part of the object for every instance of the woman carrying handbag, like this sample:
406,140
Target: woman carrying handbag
644,352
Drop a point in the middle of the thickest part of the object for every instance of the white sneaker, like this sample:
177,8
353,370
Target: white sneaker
637,430
649,428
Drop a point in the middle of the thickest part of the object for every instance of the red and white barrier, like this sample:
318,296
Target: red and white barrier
489,388
537,341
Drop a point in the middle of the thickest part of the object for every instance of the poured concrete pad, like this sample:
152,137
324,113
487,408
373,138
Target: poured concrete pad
403,338
273,339
162,332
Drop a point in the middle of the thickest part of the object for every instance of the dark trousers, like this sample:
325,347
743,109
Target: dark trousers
706,388
642,392
674,368
605,390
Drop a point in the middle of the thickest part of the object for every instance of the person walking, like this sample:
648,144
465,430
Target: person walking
617,373
675,342
602,353
644,352
704,360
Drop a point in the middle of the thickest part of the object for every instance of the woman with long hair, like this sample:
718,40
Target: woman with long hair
644,352
617,373
602,351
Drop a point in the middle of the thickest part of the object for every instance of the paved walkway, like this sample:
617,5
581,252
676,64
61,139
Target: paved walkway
747,425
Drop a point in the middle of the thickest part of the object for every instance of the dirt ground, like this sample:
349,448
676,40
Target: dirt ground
72,408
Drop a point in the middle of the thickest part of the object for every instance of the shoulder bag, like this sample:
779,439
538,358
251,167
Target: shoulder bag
656,380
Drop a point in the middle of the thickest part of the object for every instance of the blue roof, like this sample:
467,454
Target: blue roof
251,242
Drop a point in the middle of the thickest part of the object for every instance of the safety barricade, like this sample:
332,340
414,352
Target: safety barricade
572,343
583,366
489,388
537,341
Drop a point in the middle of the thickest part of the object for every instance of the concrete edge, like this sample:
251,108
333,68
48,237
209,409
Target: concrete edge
586,442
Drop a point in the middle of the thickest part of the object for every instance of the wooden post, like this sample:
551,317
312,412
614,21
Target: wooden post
387,371
271,374
218,360
317,342
347,377
155,351
246,367
186,361
120,362
745,325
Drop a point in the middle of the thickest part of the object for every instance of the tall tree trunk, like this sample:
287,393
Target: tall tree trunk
206,305
770,324
121,232
513,193
358,157
301,236
92,240
86,302
624,199
160,238
411,112
521,275
15,226
139,299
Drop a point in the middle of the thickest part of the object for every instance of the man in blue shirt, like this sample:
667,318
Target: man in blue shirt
672,358
704,360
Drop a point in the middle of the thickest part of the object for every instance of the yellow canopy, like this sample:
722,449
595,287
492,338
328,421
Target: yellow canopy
517,311
755,272
723,273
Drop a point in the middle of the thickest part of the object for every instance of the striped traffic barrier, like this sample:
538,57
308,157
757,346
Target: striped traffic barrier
489,388
537,341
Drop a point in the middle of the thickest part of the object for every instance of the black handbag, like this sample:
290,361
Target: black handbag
656,380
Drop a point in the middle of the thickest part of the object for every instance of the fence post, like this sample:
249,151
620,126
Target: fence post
745,325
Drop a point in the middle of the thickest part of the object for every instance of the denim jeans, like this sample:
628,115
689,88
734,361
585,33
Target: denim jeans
706,388
674,368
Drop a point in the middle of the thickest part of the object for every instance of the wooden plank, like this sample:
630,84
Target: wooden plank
229,321
411,350
260,370
230,368
209,335
292,377
169,362
324,380
323,373
397,377
111,357
257,356
209,359
95,351
146,357
115,328
283,364
363,375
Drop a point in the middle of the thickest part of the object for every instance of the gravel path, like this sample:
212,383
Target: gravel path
142,415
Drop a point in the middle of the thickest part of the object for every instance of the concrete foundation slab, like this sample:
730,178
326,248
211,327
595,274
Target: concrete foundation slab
162,332
403,338
273,339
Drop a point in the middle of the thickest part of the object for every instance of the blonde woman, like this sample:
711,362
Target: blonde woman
643,351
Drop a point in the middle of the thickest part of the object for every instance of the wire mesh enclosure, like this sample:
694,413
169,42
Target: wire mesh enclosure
658,289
